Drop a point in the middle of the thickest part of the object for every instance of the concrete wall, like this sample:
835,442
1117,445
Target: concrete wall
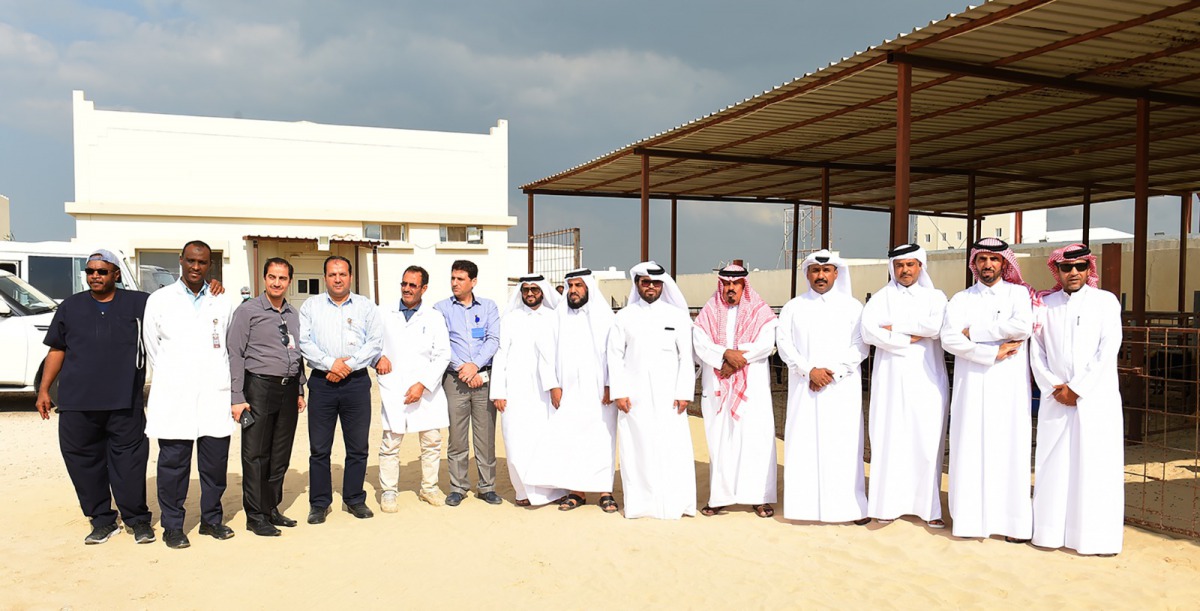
152,182
5,219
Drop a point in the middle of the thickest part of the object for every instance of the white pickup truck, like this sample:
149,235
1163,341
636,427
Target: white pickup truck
25,315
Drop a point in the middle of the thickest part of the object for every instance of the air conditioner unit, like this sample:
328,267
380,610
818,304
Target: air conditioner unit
323,242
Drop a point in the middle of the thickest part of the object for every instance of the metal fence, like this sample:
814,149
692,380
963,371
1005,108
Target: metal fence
1159,383
557,252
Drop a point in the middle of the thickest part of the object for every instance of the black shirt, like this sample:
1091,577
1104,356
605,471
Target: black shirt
105,365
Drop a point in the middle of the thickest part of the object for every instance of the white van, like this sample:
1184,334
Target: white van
25,315
57,267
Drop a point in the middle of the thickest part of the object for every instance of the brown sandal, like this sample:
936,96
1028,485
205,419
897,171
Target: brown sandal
572,501
711,511
763,511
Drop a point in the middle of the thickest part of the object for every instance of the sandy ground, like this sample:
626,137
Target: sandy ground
477,555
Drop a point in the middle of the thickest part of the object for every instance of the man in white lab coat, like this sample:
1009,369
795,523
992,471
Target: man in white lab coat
821,342
416,352
733,337
652,380
184,335
525,382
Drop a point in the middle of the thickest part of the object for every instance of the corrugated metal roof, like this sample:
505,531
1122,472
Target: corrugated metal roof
1030,146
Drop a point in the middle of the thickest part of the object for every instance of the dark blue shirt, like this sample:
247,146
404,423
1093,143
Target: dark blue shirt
104,366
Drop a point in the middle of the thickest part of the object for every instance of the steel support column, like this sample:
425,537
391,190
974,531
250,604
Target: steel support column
795,243
1087,215
1141,210
903,140
972,232
529,230
824,207
1185,227
674,231
375,270
645,208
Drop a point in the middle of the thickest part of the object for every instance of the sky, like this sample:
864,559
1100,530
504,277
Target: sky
575,80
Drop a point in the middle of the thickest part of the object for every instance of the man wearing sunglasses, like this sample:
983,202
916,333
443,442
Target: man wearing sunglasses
267,394
184,334
96,354
1079,489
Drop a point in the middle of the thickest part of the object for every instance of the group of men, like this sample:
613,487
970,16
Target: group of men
574,381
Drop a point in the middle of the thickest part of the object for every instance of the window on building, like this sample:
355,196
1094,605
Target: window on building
308,286
471,234
960,235
384,231
943,236
928,238
158,268
999,233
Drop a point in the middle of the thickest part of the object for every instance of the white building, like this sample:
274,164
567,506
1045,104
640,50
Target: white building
384,198
5,220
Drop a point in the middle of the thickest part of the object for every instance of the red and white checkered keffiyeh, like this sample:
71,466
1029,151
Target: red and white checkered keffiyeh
753,315
1056,257
1011,272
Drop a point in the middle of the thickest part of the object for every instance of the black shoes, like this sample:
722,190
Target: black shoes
219,532
262,528
360,511
175,539
316,515
142,532
489,497
454,499
278,519
100,534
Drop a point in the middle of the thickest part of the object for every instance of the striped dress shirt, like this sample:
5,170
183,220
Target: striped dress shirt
329,331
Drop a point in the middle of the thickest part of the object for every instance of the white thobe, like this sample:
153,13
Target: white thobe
742,460
185,344
523,374
909,399
578,449
823,476
990,423
419,350
650,363
1079,495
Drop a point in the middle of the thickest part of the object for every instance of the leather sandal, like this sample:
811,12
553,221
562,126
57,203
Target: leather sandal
573,501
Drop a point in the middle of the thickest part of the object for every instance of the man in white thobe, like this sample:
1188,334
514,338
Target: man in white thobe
909,392
990,424
819,339
578,449
523,380
652,380
1078,497
416,352
184,335
733,337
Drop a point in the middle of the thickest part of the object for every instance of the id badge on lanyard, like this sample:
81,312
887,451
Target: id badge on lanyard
216,336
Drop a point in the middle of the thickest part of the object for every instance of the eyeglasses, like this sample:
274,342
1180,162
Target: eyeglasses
1081,266
98,272
654,283
409,285
283,331
530,289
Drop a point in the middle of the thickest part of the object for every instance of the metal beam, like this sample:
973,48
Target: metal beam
1087,215
529,229
948,66
825,208
1141,213
645,208
1185,227
903,141
795,243
972,232
674,233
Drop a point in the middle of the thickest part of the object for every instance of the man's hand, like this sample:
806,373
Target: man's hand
341,368
555,397
334,377
820,376
735,358
886,327
475,382
383,366
44,404
300,405
681,406
967,332
726,370
214,287
500,404
605,400
468,371
237,408
1007,349
623,404
1063,394
414,393
914,339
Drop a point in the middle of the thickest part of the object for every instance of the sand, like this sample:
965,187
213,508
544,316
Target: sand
483,556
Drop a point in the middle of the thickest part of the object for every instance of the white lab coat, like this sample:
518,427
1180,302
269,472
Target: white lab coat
419,350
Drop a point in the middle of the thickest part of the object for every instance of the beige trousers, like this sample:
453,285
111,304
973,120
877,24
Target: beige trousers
389,460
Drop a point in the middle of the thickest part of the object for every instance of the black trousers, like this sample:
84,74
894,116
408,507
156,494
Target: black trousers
267,444
106,454
350,402
175,473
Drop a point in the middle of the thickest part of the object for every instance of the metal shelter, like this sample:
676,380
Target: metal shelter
1009,106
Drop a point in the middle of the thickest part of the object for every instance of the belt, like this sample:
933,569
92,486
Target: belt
282,381
317,373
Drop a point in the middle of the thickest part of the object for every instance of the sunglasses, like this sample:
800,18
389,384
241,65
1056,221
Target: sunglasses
530,289
655,283
283,331
1081,266
409,285
98,272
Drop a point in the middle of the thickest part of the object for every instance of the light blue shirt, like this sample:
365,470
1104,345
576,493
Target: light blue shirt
196,297
462,321
329,331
